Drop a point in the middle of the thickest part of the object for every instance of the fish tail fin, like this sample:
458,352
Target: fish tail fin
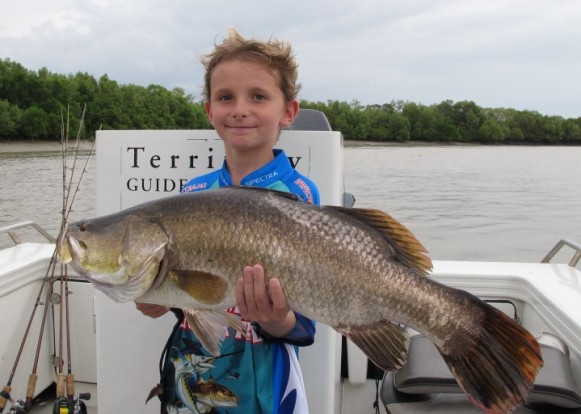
498,367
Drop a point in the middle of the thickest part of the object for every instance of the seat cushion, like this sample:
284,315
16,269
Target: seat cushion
427,373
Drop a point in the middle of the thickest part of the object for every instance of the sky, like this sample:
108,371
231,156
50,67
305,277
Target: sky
522,54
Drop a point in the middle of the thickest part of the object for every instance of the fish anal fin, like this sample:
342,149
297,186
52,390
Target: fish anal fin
210,327
204,287
384,343
409,250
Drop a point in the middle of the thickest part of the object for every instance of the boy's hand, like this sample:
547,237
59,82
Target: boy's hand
264,304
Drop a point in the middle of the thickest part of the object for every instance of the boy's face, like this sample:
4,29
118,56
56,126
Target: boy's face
247,107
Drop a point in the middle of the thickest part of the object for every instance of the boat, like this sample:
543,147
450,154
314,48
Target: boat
114,355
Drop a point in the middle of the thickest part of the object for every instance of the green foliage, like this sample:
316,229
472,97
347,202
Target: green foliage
31,104
34,122
398,127
462,121
8,118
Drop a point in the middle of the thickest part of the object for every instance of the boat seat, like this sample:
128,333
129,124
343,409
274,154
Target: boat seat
426,385
310,120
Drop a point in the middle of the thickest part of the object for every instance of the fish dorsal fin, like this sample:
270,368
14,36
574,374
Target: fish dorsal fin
408,249
204,287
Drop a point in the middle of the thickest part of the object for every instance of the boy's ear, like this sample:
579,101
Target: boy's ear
290,113
208,108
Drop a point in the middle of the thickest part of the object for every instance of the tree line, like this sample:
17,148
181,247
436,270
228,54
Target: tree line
33,104
462,121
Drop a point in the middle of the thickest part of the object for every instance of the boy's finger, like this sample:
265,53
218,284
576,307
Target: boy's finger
240,297
279,302
259,288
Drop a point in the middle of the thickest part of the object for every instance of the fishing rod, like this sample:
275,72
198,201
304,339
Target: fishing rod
65,402
67,203
60,376
7,389
59,359
30,391
31,388
68,404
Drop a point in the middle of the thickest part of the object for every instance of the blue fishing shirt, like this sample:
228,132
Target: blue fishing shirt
258,374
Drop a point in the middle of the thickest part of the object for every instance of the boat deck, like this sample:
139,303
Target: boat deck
545,298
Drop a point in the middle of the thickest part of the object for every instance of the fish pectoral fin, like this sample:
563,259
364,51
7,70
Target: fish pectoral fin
204,287
384,343
408,249
210,327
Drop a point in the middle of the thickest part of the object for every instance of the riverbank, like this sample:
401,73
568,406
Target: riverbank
53,146
407,144
40,146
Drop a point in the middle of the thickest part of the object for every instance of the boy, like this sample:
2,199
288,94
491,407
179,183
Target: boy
250,90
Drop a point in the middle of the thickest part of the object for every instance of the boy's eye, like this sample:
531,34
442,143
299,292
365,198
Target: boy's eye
259,97
224,98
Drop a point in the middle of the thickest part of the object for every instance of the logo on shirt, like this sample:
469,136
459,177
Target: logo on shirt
306,189
194,187
261,179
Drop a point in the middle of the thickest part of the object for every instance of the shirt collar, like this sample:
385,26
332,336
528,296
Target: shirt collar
264,176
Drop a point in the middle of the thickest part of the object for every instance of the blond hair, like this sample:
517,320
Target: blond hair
275,55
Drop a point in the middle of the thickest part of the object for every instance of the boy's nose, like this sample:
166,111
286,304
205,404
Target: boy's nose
240,110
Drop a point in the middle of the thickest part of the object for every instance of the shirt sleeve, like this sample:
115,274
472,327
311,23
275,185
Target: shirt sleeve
302,334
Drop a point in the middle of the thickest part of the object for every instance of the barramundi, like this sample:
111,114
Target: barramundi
357,270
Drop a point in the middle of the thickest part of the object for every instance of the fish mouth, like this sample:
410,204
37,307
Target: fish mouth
75,250
63,248
121,285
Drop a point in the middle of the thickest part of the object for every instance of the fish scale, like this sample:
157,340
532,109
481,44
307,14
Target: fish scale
357,270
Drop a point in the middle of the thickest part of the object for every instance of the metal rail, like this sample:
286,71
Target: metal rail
564,242
11,230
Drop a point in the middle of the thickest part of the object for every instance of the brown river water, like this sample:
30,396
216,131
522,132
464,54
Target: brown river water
489,203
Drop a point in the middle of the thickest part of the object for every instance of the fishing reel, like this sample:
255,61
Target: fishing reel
19,407
64,405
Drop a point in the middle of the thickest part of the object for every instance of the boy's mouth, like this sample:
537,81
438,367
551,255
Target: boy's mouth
241,127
